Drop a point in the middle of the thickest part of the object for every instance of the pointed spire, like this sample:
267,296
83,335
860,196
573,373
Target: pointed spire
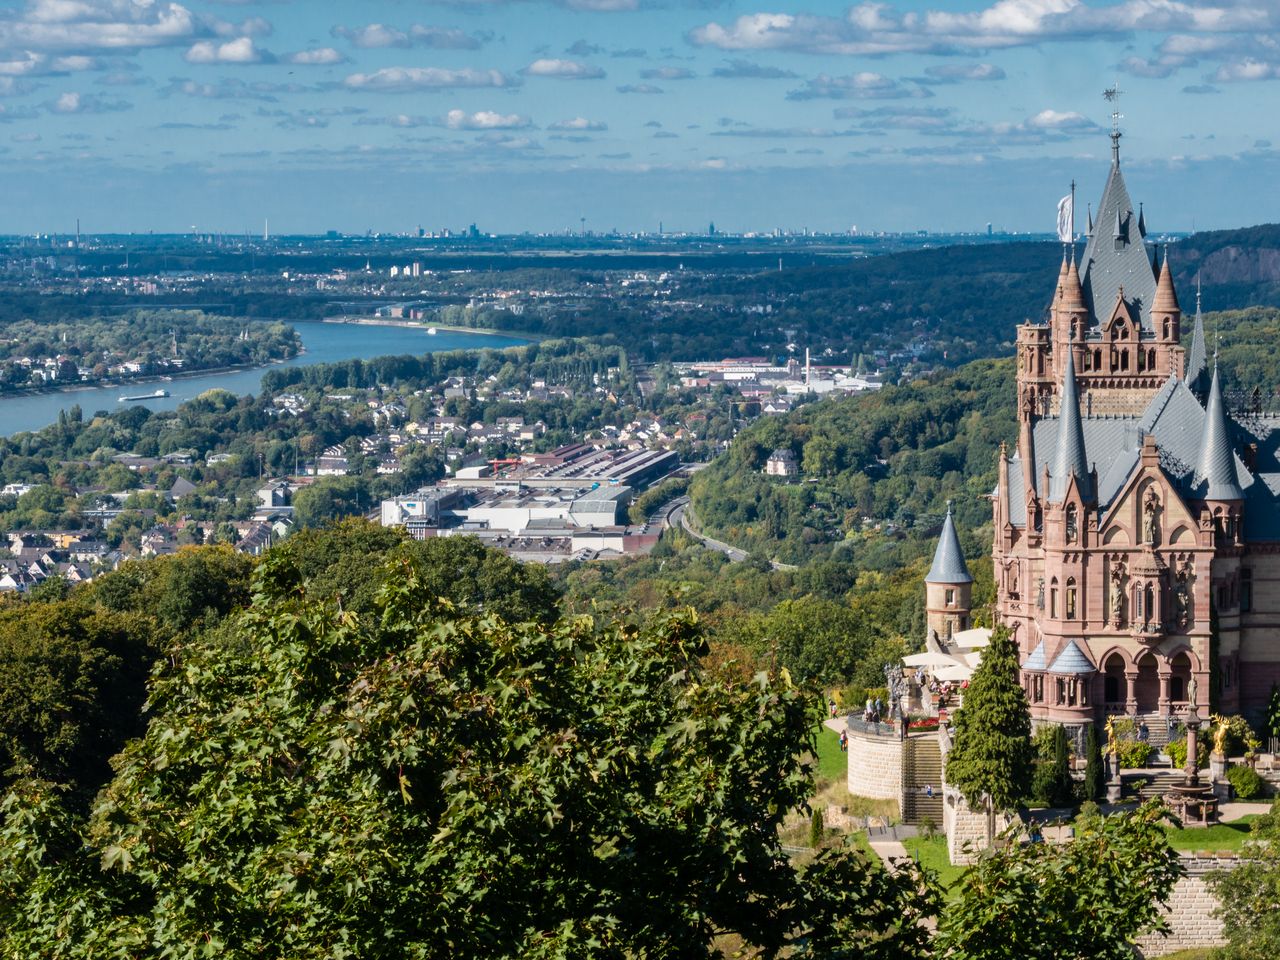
1142,221
1217,468
1166,300
1069,459
1073,292
1089,208
948,558
1197,366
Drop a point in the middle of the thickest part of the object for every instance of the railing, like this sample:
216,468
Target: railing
883,729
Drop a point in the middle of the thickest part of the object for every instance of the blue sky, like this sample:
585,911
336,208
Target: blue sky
530,114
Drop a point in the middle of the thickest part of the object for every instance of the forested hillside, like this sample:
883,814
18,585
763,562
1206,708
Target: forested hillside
876,470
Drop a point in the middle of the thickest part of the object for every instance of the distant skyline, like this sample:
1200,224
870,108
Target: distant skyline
387,115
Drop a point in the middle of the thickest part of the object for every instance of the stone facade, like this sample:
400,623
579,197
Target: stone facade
1136,510
875,766
1190,912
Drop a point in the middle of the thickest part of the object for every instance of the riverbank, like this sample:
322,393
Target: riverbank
440,327
115,383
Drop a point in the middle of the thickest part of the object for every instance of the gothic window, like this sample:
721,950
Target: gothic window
1071,599
1151,359
1138,609
1053,597
1246,590
1124,359
1142,359
1149,603
1062,691
1097,359
1166,328
1072,524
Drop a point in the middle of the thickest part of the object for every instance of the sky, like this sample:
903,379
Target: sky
548,115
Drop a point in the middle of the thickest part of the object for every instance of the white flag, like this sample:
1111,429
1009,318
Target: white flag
1066,217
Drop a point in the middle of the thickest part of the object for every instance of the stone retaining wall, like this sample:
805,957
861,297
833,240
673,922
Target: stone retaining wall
875,766
1190,911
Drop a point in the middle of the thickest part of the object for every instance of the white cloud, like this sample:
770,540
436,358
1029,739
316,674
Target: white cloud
406,79
320,56
667,73
380,35
72,102
484,120
99,25
874,28
859,86
563,70
646,88
241,50
1246,69
580,124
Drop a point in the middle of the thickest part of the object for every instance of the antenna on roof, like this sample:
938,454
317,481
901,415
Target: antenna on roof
1112,96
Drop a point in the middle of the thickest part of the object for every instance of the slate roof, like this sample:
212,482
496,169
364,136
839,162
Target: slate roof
1035,659
948,559
1116,257
1071,660
1069,458
1216,477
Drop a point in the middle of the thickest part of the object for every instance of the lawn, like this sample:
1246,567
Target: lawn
833,763
932,853
1221,836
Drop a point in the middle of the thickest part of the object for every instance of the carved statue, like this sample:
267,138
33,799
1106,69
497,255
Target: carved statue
1040,593
1191,693
1111,736
1150,515
1116,598
1220,731
1182,597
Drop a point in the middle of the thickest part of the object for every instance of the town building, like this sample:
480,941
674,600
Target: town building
1137,528
782,463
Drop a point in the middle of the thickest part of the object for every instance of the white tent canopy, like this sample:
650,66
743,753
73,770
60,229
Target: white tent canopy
931,659
955,674
971,639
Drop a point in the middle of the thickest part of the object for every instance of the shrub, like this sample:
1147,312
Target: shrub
817,829
1246,782
1177,749
1088,811
1134,753
926,827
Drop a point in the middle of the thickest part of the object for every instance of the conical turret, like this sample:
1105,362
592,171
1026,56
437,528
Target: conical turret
1216,471
1073,292
1069,459
948,559
1166,301
1197,365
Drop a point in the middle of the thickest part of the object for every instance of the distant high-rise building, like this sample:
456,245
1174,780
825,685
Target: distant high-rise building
988,229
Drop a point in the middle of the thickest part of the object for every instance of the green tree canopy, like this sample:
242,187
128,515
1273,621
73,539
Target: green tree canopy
1086,899
415,784
1247,894
990,760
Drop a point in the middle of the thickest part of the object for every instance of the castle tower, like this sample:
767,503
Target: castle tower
948,588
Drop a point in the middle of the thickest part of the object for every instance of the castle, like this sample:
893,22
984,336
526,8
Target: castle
1137,523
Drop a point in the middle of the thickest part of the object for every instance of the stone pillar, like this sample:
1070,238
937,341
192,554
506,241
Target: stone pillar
1130,692
1192,767
1166,681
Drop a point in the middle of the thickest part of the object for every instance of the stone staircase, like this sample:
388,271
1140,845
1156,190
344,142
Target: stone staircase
921,767
1157,784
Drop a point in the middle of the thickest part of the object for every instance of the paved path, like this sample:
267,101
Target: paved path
888,850
681,512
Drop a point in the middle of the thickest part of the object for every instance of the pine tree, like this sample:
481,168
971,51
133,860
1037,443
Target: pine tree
1093,776
990,760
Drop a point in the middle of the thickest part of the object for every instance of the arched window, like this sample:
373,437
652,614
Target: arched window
1166,328
1142,356
1053,597
1148,603
1124,359
1071,598
1073,524
1151,359
1097,359
1138,608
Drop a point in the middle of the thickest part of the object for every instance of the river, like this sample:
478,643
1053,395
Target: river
322,343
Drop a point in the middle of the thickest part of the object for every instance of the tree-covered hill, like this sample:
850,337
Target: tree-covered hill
875,469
